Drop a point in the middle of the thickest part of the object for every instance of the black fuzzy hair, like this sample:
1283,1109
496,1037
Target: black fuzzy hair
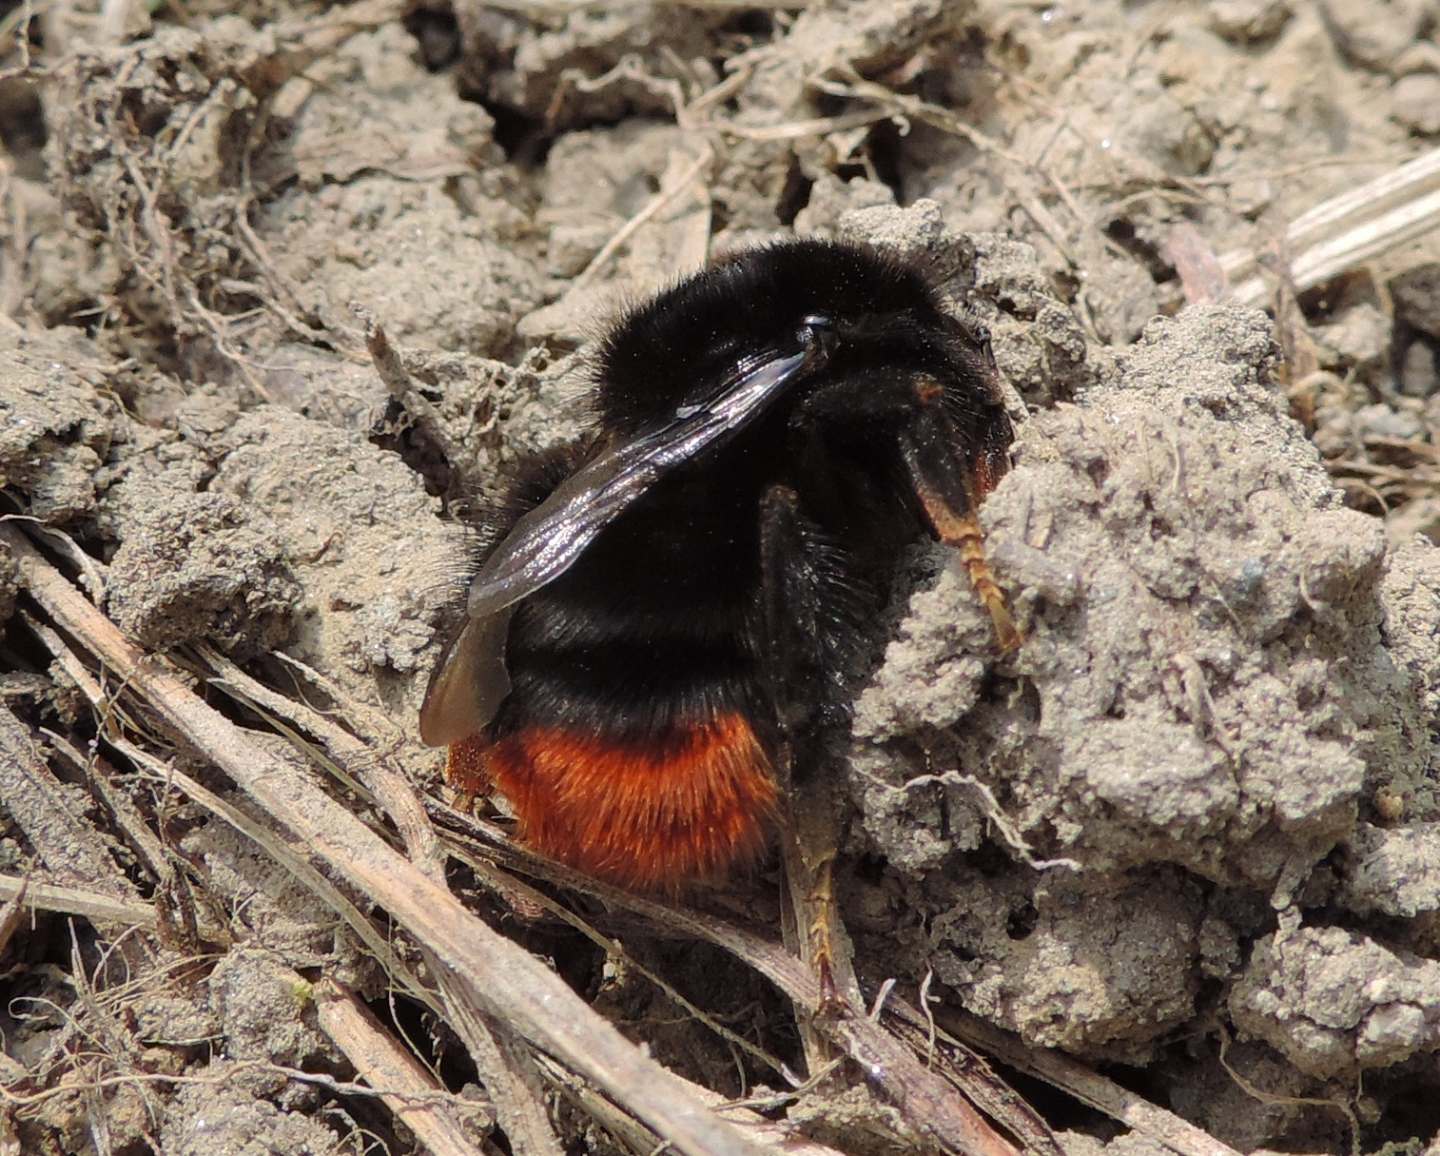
663,350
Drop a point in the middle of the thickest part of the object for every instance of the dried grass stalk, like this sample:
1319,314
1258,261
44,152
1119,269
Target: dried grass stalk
1347,230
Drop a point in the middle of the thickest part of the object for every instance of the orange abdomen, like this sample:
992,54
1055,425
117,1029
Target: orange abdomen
651,815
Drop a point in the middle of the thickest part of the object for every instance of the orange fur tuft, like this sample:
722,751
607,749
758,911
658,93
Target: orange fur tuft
651,817
465,767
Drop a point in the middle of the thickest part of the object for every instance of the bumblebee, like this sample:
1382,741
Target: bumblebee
676,605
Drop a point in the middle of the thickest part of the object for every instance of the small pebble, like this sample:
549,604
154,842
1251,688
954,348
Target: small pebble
1416,295
1374,34
1417,102
1244,21
1380,421
1420,370
1360,336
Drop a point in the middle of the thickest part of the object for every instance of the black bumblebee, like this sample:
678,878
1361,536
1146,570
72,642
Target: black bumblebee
676,601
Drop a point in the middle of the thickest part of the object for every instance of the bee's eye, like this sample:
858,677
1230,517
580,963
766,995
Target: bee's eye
817,332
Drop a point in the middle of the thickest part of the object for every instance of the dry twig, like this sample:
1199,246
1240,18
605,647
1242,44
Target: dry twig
1347,230
91,905
505,1068
926,1098
405,1086
1089,1087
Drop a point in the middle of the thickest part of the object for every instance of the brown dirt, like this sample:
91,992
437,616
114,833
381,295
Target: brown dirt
1188,834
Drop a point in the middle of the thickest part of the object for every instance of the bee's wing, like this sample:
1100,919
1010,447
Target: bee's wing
469,684
471,681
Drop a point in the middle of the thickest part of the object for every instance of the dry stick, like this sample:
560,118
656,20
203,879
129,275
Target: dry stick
522,896
401,386
503,979
852,86
791,977
277,848
495,1065
1347,230
148,849
794,129
409,1090
89,905
1089,1087
770,959
294,861
964,1067
176,906
389,787
927,1100
403,804
781,1138
73,851
344,748
12,913
143,841
175,901
612,1118
660,200
929,1103
411,820
349,754
91,573
506,1069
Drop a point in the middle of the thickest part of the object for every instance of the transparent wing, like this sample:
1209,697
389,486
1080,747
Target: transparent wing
546,541
471,682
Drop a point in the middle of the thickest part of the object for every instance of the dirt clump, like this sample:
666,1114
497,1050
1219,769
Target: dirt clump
202,566
58,424
1207,685
222,1114
1301,995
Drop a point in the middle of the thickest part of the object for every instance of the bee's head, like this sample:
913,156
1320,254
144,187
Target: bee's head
887,370
678,347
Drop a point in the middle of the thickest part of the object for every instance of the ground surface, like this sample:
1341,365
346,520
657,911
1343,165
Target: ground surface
1189,834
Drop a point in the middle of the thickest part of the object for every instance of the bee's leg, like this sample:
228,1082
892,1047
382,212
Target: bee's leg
810,869
792,571
968,539
810,919
796,563
824,918
949,487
